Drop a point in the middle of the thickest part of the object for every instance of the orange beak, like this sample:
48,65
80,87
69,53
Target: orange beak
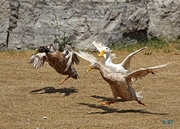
89,69
101,53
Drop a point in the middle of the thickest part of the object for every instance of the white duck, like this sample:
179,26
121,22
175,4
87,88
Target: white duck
121,85
123,67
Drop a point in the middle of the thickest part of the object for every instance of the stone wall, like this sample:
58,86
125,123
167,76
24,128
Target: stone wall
30,23
164,18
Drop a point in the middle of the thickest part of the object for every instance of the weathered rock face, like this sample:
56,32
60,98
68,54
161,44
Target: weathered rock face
4,23
164,18
28,24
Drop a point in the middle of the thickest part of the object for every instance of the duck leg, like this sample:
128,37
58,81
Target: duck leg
108,103
64,80
140,102
114,98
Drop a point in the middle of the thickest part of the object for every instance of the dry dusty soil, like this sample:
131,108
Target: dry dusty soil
33,99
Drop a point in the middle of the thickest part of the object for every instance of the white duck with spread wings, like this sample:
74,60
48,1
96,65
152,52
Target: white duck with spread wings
121,85
123,67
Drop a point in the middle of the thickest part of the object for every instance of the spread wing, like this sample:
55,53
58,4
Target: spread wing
142,72
99,46
126,61
75,59
71,56
87,56
38,60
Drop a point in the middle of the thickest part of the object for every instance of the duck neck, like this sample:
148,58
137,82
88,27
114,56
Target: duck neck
102,69
108,57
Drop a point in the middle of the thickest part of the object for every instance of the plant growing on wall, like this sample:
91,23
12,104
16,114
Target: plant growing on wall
61,40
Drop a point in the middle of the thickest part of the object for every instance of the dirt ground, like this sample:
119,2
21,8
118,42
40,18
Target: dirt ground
33,99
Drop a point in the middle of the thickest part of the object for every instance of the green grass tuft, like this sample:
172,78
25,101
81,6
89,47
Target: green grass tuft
153,44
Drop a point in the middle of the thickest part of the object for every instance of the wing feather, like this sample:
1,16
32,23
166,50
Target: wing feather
142,72
71,56
87,56
38,60
126,61
99,46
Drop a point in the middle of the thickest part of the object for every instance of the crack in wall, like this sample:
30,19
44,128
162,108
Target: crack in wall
14,15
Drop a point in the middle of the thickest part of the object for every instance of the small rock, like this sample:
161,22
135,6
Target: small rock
44,117
63,94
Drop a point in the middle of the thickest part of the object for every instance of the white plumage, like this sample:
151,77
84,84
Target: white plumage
121,85
123,67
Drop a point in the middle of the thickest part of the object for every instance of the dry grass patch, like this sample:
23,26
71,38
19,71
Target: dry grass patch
32,98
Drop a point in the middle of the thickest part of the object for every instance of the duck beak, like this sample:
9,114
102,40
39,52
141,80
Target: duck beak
89,69
101,53
36,51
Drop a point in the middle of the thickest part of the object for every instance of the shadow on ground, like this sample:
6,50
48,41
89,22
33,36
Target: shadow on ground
49,90
107,109
106,98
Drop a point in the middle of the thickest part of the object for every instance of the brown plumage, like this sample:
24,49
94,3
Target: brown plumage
61,61
121,85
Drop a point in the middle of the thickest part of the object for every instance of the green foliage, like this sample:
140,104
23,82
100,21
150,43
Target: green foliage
58,39
9,51
61,40
155,44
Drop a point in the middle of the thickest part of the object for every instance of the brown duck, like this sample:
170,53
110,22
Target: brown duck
62,62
